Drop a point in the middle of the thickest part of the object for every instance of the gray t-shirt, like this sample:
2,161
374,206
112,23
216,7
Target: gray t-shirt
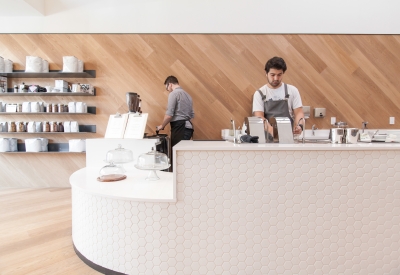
180,106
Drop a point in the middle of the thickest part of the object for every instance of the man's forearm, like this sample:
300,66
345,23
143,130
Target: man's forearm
167,119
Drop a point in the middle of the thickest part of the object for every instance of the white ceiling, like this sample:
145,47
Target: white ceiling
22,7
200,16
43,7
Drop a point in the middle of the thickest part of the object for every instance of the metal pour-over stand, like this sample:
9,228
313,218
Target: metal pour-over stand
134,103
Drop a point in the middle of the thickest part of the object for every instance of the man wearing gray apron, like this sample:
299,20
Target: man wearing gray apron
278,99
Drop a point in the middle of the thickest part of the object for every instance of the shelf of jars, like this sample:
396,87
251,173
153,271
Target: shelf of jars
91,110
50,74
83,129
10,92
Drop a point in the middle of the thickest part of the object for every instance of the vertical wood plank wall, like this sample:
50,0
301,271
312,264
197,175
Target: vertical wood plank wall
355,77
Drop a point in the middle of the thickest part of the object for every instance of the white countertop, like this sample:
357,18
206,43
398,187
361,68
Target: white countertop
134,187
228,145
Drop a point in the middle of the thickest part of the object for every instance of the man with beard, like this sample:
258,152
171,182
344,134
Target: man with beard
278,99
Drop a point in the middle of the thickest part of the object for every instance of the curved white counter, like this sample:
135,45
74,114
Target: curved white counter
252,209
134,187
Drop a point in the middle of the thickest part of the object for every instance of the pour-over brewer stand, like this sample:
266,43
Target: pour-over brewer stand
134,103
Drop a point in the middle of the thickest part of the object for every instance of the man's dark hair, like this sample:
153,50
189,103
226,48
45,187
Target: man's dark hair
275,63
171,79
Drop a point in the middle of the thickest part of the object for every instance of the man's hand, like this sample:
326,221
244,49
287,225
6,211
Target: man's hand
297,130
159,127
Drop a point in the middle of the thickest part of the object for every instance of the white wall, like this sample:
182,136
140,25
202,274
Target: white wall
201,16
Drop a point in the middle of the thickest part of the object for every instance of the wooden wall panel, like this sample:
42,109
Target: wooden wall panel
355,77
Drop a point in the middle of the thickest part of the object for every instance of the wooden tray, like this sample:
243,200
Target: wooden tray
112,177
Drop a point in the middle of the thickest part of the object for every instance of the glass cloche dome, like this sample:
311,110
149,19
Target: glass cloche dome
115,158
152,161
119,155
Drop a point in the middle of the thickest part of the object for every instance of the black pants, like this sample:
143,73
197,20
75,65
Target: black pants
179,132
187,135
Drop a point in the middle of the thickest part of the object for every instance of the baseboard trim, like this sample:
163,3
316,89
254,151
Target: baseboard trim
96,267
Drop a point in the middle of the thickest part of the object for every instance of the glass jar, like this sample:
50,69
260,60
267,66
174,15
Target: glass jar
49,108
60,127
46,126
12,127
20,126
53,126
55,108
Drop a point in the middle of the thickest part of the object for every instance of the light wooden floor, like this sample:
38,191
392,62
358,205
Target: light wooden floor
35,233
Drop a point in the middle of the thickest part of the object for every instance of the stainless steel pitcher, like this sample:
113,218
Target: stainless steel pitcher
336,135
351,135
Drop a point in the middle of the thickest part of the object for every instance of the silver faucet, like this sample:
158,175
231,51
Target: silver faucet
304,128
313,128
235,140
364,125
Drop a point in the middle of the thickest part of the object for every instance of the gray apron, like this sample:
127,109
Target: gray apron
276,108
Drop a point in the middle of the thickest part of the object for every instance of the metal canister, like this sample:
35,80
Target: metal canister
351,135
336,135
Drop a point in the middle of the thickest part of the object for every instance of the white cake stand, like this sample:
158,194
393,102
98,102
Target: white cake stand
152,176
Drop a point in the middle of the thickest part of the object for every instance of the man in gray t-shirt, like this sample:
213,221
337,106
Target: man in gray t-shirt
179,112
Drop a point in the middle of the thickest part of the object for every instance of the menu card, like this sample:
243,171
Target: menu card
135,126
126,126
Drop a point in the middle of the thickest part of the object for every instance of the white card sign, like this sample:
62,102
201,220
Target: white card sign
126,126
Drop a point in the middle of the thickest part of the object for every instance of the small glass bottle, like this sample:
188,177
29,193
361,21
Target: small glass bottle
60,127
12,127
55,108
53,126
49,108
46,126
20,126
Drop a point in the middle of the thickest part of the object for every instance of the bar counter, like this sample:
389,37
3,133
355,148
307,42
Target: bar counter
254,209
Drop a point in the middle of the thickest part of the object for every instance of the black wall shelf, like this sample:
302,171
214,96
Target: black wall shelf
10,92
83,129
91,110
51,147
50,74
